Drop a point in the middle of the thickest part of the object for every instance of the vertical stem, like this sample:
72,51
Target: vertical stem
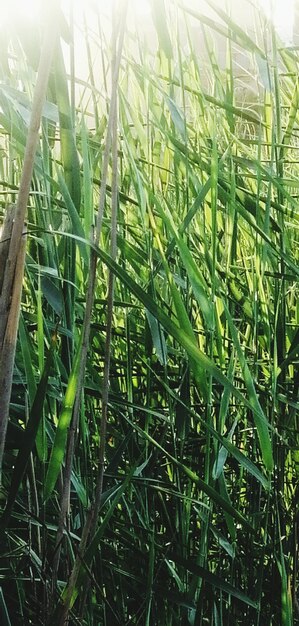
91,520
113,251
11,293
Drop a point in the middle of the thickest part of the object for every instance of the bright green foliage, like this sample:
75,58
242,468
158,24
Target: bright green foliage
198,515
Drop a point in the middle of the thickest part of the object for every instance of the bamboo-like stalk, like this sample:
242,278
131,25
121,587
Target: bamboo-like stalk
92,515
107,353
14,268
4,246
110,299
8,348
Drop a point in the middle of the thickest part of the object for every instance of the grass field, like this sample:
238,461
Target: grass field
151,462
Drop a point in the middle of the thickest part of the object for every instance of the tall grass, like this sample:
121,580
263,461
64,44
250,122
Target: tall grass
150,470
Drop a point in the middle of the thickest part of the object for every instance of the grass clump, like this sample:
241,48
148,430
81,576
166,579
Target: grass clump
150,468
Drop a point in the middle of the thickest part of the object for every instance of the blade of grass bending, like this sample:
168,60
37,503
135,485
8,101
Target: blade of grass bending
160,22
205,97
234,31
213,580
58,449
181,313
191,213
260,419
70,188
196,282
73,213
222,454
69,154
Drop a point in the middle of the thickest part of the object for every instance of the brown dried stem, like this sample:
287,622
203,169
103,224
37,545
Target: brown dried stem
12,277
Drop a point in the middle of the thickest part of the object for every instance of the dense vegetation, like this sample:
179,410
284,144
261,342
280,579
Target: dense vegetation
150,470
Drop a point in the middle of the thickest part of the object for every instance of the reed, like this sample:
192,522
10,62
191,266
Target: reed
150,469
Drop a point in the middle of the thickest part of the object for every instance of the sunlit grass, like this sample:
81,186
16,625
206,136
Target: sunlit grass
190,353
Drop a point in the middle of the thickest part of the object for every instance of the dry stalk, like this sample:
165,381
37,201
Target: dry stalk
12,275
65,499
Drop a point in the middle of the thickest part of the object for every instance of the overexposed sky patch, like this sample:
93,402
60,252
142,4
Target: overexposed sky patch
31,8
280,11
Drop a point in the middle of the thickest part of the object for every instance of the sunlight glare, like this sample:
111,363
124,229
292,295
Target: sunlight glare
282,14
280,11
11,9
24,9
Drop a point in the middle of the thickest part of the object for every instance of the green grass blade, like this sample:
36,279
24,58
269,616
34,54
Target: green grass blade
58,449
